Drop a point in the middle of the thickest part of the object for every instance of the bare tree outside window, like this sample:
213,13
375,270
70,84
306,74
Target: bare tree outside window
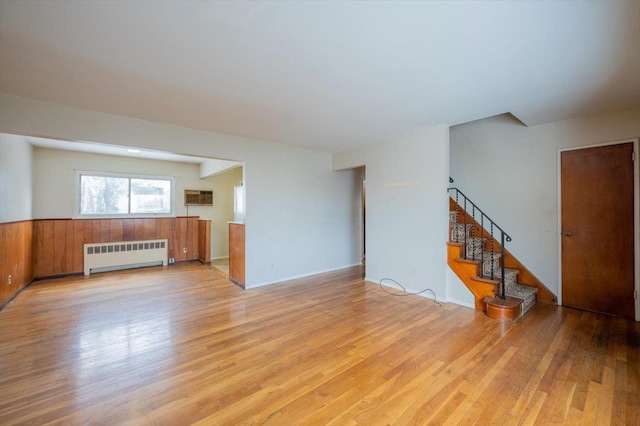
113,195
150,196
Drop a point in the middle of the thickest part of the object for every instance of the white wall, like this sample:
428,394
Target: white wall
305,214
15,179
407,208
510,171
298,218
213,166
54,179
457,291
357,225
54,184
359,176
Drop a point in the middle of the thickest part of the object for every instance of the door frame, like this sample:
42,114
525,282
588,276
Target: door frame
636,215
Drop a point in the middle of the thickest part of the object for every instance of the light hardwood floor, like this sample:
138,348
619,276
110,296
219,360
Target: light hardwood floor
182,345
221,265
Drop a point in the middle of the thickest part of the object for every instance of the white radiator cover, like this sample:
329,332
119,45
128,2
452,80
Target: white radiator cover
124,254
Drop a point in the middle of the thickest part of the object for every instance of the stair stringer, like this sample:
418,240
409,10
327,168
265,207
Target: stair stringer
468,271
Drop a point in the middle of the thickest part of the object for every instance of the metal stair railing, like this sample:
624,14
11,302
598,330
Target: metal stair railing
465,204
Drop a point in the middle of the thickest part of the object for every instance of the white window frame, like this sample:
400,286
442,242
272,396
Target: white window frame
79,215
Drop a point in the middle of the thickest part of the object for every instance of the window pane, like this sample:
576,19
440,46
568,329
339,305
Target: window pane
150,196
103,195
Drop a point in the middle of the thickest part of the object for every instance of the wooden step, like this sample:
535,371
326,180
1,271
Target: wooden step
503,309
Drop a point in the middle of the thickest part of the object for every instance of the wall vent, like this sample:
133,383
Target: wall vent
198,197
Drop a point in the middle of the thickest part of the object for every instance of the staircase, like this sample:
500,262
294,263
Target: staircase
476,253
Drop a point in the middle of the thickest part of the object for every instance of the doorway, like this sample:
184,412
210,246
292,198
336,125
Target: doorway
364,220
597,229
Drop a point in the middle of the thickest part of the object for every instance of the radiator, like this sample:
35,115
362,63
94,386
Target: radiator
126,254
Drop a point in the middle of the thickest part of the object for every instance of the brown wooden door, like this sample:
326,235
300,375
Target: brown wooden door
597,229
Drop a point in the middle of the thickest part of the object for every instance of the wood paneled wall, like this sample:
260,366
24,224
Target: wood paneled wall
236,253
204,241
48,247
59,242
16,258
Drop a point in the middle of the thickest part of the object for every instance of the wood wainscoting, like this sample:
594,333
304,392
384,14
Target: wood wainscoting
59,242
50,247
16,258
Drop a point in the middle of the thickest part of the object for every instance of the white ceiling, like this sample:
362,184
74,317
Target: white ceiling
324,75
120,151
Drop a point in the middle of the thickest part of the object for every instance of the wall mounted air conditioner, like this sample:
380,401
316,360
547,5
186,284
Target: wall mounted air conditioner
198,197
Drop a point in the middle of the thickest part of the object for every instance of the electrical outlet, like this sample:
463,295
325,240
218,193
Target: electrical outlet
184,249
172,260
9,280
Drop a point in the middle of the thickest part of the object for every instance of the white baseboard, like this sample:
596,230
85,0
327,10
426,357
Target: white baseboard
427,294
461,303
221,257
250,286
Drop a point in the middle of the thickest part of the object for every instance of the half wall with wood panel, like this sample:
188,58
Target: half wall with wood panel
204,241
59,242
236,253
48,247
16,258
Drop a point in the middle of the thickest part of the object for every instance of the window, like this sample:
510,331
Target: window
116,195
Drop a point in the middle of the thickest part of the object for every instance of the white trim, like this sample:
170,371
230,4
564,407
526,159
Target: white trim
370,280
422,292
559,218
280,281
221,257
636,219
461,303
636,215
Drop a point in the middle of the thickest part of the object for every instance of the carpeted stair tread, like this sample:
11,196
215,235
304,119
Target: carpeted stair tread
510,276
526,293
497,273
453,218
458,231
